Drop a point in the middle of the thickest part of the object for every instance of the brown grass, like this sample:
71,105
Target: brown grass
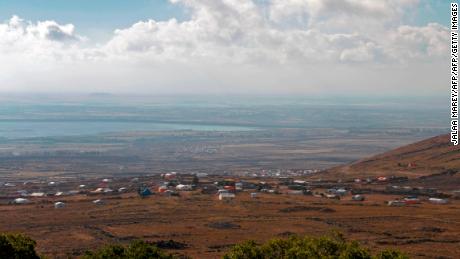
83,225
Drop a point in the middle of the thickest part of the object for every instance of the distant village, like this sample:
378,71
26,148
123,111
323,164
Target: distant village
221,187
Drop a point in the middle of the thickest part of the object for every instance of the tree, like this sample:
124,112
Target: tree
391,254
17,246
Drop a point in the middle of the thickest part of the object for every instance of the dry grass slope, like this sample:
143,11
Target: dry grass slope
431,156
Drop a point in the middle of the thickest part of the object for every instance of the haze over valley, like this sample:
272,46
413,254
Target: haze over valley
152,134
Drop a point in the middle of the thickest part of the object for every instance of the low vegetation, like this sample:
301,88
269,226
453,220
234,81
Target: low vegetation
307,247
16,246
135,250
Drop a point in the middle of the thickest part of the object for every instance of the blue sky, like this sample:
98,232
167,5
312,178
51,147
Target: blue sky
96,18
434,11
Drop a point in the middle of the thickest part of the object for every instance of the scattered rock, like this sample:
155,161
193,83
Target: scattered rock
287,234
432,229
223,225
306,208
221,246
170,244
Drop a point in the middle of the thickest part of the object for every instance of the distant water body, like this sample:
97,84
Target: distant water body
33,129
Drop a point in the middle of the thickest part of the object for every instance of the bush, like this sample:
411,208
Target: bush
391,254
307,247
135,250
17,246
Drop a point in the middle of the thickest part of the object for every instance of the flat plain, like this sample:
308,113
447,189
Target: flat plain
206,227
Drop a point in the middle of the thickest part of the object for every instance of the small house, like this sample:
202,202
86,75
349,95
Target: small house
184,187
226,196
144,192
222,191
397,203
98,190
239,186
358,197
170,176
295,192
21,201
23,193
438,201
381,178
37,194
332,196
162,189
59,205
341,192
98,202
411,200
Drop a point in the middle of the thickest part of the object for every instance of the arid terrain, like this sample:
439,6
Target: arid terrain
205,227
432,162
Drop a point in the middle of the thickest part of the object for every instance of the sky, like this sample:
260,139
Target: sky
312,47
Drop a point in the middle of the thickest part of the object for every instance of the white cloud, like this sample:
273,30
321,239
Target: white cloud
239,44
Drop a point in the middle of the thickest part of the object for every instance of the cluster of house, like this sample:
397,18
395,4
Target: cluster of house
53,189
381,180
409,190
277,173
172,184
411,200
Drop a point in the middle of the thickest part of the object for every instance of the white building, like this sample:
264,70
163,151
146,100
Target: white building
184,187
98,202
226,196
59,205
438,201
21,201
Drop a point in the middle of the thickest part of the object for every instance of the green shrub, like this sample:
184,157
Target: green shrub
17,246
333,247
135,250
391,254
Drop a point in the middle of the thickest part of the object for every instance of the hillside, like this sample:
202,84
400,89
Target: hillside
434,156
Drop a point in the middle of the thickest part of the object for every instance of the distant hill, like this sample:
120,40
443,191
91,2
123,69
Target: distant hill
430,158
